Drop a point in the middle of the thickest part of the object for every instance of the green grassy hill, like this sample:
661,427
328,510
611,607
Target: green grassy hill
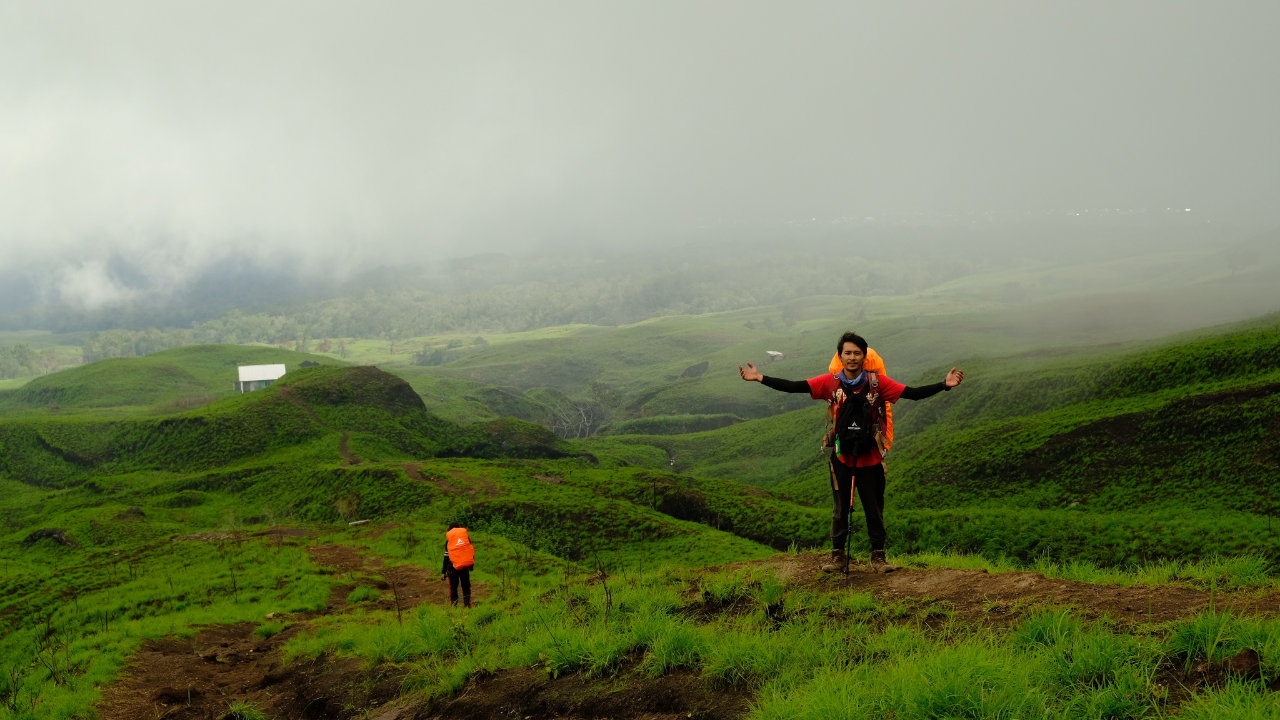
164,382
656,366
116,529
1109,452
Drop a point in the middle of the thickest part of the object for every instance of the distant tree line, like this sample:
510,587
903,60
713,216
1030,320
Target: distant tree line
498,294
21,360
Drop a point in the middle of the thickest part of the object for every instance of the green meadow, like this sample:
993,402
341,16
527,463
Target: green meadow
645,517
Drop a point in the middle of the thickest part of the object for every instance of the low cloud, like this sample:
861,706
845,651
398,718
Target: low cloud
330,136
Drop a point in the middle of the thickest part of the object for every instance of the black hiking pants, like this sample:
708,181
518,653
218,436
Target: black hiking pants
463,577
870,485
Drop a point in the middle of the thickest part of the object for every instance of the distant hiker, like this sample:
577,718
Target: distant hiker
855,441
459,560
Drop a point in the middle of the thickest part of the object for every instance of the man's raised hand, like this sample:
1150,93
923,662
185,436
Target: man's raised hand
750,373
954,377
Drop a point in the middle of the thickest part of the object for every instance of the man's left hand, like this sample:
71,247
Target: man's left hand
954,377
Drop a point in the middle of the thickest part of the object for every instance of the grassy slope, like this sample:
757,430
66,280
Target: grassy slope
274,454
1008,412
1092,303
1099,453
162,382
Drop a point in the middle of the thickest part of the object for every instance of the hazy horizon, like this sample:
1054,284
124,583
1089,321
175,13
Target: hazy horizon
145,145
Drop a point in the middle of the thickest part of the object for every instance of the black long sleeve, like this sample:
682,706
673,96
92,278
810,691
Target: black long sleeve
920,393
787,386
448,564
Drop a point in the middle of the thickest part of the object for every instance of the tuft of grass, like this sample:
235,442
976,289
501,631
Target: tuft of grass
1229,572
1237,699
241,710
364,593
1049,628
1210,636
268,630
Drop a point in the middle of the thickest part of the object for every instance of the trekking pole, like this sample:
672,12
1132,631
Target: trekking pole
847,532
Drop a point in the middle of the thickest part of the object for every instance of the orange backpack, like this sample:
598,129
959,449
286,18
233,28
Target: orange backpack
874,364
461,552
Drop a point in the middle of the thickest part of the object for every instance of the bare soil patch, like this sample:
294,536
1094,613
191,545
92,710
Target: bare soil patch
413,470
283,532
490,489
415,584
197,678
174,679
348,457
977,595
532,694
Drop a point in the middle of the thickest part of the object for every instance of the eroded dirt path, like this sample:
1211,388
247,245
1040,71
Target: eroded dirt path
470,482
463,484
530,693
982,596
413,470
196,679
348,457
416,585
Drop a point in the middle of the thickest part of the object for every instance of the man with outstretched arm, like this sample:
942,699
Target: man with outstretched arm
855,462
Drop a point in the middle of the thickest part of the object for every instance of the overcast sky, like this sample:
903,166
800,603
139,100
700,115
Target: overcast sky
172,133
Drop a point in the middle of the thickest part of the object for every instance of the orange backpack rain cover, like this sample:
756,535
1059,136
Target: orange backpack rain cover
875,365
461,553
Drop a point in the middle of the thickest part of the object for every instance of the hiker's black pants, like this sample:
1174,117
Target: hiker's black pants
464,577
870,485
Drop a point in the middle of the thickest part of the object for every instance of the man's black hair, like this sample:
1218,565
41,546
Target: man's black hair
851,337
454,526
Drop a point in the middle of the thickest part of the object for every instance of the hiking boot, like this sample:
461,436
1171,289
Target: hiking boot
879,564
838,562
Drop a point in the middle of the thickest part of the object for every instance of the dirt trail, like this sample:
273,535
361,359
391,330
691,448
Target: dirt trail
416,585
413,470
490,489
979,595
530,693
349,458
195,679
173,679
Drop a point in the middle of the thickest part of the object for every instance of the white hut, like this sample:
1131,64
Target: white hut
775,356
256,377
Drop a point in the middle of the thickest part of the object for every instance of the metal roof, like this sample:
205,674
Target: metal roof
249,373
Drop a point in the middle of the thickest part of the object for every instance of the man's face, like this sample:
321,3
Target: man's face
851,357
